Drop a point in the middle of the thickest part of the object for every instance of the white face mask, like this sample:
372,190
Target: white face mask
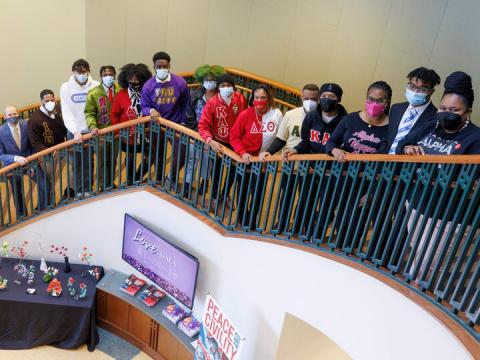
162,73
226,92
309,105
49,106
209,84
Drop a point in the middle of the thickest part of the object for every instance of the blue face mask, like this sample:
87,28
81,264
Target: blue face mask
108,81
13,120
414,98
82,78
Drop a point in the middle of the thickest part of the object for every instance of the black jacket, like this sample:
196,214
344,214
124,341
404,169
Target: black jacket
315,132
396,114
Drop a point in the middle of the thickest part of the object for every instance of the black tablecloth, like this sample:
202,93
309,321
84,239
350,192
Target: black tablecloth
27,320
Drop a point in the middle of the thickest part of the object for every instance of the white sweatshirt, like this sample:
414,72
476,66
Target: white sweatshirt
73,98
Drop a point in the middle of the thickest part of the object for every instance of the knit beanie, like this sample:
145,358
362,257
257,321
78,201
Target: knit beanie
333,88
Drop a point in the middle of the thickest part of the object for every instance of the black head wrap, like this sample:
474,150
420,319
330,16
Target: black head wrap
461,84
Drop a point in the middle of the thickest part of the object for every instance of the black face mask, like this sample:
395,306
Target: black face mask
328,105
449,121
134,86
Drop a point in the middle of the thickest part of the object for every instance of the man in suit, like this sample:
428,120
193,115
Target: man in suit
14,148
418,110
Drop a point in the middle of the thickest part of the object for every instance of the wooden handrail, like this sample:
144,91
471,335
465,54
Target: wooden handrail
436,159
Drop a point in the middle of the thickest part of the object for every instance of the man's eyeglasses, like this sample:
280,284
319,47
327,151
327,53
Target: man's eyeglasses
418,89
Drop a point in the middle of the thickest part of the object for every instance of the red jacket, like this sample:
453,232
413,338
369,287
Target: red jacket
254,133
218,117
122,112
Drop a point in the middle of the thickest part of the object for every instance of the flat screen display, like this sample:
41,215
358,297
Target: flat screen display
171,268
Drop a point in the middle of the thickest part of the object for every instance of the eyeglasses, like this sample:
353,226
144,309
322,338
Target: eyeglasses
418,89
378,101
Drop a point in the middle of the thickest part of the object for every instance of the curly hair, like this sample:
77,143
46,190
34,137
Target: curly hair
127,71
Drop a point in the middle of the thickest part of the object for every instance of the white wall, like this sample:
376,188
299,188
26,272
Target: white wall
257,283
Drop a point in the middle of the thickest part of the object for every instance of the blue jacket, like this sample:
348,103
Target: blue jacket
8,147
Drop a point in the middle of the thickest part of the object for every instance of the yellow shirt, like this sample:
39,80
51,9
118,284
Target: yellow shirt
291,127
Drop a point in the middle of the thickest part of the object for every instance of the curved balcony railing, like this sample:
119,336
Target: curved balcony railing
369,210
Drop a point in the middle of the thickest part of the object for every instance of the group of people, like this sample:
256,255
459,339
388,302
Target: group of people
225,120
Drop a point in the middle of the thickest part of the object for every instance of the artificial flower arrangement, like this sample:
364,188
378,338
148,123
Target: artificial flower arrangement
55,287
3,283
85,256
5,249
82,293
20,251
50,274
62,251
22,272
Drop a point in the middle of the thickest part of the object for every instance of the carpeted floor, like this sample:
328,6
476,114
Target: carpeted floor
110,347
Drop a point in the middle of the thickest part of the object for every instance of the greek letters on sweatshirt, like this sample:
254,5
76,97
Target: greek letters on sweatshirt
218,118
253,133
316,132
73,98
169,98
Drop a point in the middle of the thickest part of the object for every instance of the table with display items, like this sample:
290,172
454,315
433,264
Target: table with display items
28,320
145,327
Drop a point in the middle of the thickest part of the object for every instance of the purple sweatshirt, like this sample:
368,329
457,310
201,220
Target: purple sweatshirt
169,98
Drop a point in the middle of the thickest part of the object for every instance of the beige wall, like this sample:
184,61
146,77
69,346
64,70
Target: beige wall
300,340
352,42
39,42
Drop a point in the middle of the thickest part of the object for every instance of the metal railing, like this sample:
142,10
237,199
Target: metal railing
415,219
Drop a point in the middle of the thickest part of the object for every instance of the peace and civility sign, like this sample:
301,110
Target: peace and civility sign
219,338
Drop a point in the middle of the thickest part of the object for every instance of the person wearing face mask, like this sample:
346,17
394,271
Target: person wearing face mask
218,117
73,96
126,106
316,129
166,95
288,135
46,129
97,114
363,132
418,110
207,76
15,147
451,134
253,132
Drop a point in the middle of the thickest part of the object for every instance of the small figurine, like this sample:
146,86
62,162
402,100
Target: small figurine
95,273
71,289
31,274
50,274
83,291
3,283
55,287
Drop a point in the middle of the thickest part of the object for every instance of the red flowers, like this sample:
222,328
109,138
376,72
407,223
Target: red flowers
20,250
63,251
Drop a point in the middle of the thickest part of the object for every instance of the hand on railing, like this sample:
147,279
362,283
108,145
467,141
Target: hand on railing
94,131
247,158
413,150
286,153
216,146
263,156
339,154
20,160
77,137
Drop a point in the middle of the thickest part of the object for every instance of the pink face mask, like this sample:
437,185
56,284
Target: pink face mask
374,109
